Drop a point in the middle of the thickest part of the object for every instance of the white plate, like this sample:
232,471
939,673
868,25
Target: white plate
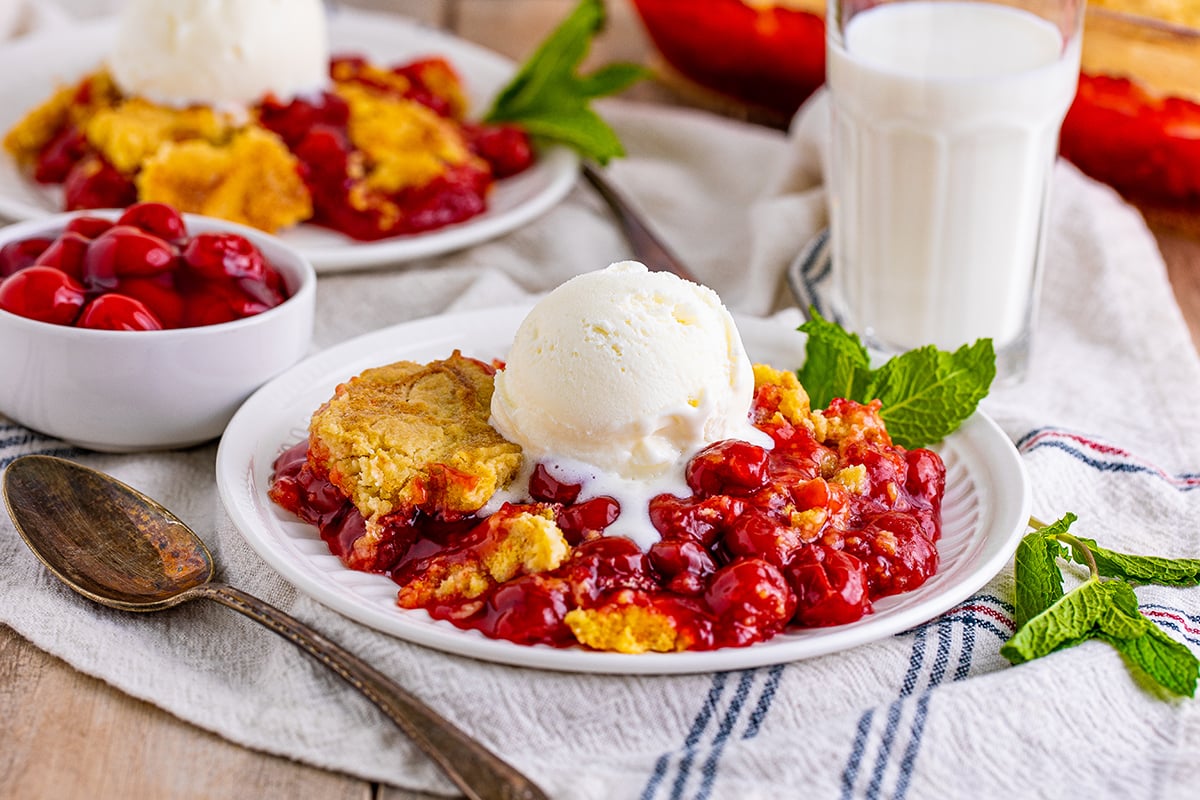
986,506
32,68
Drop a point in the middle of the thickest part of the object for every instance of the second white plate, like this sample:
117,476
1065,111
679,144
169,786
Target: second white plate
986,507
30,70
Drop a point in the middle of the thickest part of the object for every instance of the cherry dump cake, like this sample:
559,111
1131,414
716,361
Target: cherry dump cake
804,530
382,151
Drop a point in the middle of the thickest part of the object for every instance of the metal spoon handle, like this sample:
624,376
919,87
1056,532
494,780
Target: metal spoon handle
474,769
647,247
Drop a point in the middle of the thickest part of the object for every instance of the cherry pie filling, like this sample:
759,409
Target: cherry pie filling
800,535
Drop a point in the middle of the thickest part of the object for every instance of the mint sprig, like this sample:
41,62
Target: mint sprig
550,100
1144,569
925,393
1103,607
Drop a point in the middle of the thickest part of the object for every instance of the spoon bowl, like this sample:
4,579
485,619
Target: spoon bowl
104,539
112,544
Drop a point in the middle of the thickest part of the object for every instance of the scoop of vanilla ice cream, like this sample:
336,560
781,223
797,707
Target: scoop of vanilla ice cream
223,53
625,369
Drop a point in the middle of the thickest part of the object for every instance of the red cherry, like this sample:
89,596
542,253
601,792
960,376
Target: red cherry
506,147
157,293
529,610
214,302
94,183
898,555
607,563
830,586
683,563
588,517
117,312
158,219
293,121
224,255
926,475
125,251
728,467
546,488
66,253
755,533
88,227
261,291
42,293
16,256
751,595
60,155
704,520
811,493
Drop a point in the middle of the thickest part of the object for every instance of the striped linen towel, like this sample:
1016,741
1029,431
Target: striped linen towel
1105,424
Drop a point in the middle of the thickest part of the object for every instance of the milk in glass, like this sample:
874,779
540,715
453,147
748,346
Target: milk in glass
946,119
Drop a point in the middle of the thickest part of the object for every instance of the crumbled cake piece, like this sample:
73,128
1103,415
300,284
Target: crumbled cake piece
405,143
509,543
626,628
253,180
529,543
793,400
414,436
850,422
853,478
780,391
134,130
35,130
67,106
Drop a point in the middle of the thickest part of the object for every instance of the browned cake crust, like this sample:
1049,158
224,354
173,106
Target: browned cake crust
410,435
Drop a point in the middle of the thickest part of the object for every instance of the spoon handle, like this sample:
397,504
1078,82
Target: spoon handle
479,773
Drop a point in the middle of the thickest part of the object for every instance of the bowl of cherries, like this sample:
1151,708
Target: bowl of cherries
144,329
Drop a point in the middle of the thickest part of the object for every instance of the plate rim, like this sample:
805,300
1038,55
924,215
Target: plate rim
244,442
556,170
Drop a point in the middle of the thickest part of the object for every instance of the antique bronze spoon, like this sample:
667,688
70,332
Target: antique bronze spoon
118,547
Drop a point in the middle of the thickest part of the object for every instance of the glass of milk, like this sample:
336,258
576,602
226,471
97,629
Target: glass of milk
946,116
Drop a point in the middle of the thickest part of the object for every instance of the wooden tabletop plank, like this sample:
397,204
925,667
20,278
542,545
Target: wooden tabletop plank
67,735
1181,251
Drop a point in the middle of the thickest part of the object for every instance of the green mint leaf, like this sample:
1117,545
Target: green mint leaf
1124,619
1070,620
927,393
1164,660
1143,569
835,361
1167,662
549,99
610,79
1039,581
581,129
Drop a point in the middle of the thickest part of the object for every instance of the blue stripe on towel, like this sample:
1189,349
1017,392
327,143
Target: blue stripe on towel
708,771
764,702
962,622
940,662
850,773
699,723
741,702
915,663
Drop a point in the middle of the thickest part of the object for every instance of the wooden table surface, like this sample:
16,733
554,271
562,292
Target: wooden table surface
66,735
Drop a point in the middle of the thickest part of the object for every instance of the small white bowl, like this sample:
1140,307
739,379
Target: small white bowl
125,391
